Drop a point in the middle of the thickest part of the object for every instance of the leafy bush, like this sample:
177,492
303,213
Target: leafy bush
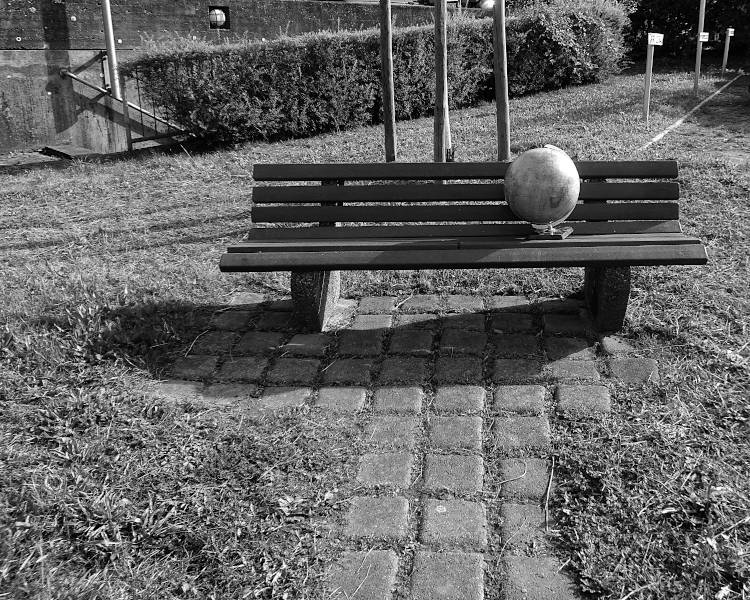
301,86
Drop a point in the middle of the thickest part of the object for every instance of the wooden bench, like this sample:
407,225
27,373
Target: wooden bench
451,215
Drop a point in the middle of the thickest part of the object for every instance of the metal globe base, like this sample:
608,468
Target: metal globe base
549,232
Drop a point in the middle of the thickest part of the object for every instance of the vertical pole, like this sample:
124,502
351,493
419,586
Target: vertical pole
126,116
109,39
726,53
501,83
441,78
386,75
699,46
647,89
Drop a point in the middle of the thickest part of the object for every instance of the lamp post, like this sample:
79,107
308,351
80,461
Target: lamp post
109,39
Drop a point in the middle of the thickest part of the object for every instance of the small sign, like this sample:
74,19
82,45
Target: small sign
730,32
655,39
703,37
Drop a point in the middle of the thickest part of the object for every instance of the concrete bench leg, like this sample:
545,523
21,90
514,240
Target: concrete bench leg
607,291
316,298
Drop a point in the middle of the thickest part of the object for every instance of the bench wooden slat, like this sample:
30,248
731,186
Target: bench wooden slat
456,212
469,170
303,194
553,256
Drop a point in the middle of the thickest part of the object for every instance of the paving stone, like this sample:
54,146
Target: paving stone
522,525
403,400
518,433
460,399
513,323
455,432
246,299
516,370
615,345
395,432
417,342
447,576
373,305
558,305
387,468
194,367
573,325
341,399
366,342
572,370
306,344
569,348
635,370
383,518
451,523
403,370
364,322
275,321
454,472
418,321
536,579
512,345
356,371
458,369
465,322
522,399
425,303
583,401
179,390
368,575
258,342
231,320
214,342
281,305
282,397
464,304
294,370
456,341
516,304
244,368
533,483
227,394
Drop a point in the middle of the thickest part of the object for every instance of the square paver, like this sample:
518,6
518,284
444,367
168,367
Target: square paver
418,321
231,320
251,300
294,370
259,342
464,304
194,367
383,518
281,305
635,370
388,468
365,342
558,306
614,345
306,344
229,394
521,399
403,370
570,325
424,303
391,431
364,575
540,578
214,342
275,321
513,323
402,400
465,321
583,401
374,305
455,432
515,345
521,433
514,304
459,399
457,341
516,370
572,370
365,322
458,369
569,348
447,576
341,399
452,523
417,342
524,479
243,368
354,371
282,397
457,473
522,525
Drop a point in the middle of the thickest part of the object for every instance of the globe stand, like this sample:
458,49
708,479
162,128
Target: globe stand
549,232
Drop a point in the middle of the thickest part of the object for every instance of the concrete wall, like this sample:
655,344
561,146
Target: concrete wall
40,37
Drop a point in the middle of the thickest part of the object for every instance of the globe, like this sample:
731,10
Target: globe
542,187
217,18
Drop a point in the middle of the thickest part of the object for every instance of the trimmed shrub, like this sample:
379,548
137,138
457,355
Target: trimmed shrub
302,86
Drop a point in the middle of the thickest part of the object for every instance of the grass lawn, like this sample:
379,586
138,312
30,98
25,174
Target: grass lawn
110,271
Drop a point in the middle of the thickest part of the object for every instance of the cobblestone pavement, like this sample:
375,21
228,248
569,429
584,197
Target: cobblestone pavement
442,386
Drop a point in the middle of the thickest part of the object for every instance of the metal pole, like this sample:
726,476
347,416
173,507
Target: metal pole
647,89
699,46
386,59
501,83
726,52
441,78
109,39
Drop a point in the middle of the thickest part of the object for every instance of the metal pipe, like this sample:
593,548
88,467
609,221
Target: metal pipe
699,45
101,90
109,39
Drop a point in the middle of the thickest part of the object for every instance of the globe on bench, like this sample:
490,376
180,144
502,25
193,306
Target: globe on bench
542,187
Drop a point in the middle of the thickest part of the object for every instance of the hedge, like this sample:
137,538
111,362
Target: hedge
302,86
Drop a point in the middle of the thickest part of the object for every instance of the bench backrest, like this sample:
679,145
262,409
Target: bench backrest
349,194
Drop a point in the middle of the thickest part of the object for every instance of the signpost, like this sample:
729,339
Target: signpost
654,39
501,82
702,37
730,33
441,80
386,60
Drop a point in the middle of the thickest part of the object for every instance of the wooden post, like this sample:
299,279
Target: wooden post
654,39
729,34
441,78
386,61
501,82
699,46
